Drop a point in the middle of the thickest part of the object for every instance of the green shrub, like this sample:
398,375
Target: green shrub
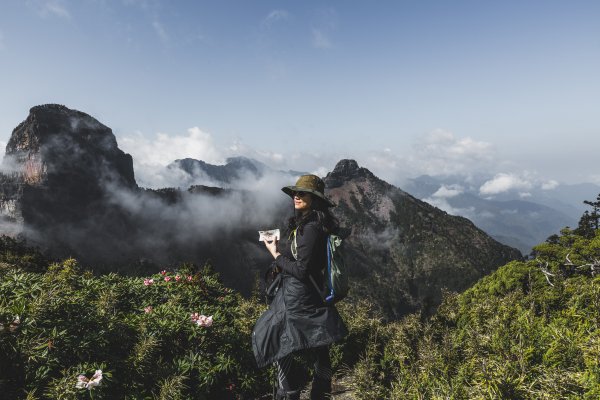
65,322
528,331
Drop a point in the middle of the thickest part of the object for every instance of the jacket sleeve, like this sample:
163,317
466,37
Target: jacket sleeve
305,245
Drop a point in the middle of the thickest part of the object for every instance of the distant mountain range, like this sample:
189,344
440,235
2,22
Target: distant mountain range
517,221
510,217
235,168
236,172
68,188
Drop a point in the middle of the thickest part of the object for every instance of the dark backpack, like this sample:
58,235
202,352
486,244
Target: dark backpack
336,276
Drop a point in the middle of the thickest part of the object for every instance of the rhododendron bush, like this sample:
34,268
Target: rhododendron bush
177,334
66,333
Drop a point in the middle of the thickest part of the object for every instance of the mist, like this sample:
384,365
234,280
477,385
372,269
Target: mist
82,200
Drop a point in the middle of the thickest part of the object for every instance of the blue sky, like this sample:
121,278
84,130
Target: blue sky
404,87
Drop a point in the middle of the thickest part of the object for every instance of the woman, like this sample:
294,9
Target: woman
297,318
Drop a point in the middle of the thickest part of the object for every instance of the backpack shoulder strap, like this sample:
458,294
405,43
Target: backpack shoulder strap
293,246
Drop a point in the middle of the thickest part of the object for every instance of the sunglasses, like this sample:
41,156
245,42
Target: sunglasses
299,194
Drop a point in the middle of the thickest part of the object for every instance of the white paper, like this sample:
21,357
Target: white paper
268,235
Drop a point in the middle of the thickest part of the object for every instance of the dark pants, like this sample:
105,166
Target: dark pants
287,371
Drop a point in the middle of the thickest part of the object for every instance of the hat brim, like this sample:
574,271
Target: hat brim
289,190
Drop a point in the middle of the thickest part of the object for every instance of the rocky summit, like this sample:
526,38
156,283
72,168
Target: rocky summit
403,252
58,166
55,142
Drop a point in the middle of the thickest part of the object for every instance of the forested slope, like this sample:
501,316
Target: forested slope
530,330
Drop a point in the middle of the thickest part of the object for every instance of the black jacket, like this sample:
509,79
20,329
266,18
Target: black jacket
297,318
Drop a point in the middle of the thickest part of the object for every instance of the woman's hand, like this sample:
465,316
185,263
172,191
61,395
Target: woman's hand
272,247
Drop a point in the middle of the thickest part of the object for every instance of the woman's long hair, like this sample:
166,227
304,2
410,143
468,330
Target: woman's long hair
319,212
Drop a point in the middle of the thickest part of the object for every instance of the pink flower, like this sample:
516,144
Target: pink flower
205,321
148,282
177,278
189,278
202,320
148,309
84,383
163,272
167,278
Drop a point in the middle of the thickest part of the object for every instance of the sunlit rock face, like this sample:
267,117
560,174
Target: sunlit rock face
58,166
55,142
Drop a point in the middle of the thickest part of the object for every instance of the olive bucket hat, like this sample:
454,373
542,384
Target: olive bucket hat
311,184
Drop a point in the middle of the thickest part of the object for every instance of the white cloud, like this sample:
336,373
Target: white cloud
441,153
273,17
160,31
384,159
549,185
320,39
386,164
442,204
2,150
164,149
238,148
504,182
321,171
447,191
150,156
46,8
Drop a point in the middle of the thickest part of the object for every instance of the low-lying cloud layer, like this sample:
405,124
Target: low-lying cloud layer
439,153
151,156
446,191
513,182
503,183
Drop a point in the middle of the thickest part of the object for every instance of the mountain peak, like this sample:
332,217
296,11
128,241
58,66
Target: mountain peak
346,167
55,141
54,122
346,170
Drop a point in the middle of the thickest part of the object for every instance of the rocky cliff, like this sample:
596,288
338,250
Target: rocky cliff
58,171
66,187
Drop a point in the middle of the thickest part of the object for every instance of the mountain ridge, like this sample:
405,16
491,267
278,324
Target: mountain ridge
519,221
414,249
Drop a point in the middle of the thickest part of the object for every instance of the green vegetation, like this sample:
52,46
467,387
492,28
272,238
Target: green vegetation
528,331
58,324
139,332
